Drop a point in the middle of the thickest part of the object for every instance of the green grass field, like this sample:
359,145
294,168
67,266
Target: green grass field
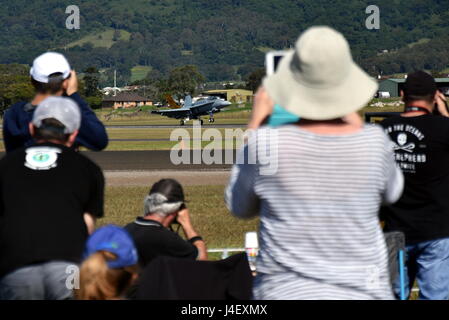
233,115
384,109
209,214
153,133
152,120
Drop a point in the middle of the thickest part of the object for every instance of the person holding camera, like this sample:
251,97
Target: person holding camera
421,144
165,206
317,184
51,75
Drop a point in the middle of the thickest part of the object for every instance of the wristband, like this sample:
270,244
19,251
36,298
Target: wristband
194,239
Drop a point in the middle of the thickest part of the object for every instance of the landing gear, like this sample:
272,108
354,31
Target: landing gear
211,117
182,122
201,122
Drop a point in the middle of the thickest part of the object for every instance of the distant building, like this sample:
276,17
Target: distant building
110,90
125,100
394,86
232,95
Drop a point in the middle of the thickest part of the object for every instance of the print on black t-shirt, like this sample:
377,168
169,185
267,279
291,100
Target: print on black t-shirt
409,146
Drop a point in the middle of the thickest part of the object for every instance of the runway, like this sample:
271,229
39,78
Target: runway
148,161
159,140
169,126
151,160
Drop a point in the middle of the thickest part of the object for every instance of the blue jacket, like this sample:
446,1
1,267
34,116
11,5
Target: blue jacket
92,133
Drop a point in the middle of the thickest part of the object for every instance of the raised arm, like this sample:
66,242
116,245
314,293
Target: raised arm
92,133
394,179
240,197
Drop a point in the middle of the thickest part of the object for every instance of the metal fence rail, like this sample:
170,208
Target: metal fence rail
226,251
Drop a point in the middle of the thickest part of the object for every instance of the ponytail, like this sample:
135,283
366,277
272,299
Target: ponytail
99,282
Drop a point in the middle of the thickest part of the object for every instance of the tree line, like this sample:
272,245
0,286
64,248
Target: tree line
15,84
226,39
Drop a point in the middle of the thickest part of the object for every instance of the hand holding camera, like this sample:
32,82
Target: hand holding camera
441,104
183,217
72,85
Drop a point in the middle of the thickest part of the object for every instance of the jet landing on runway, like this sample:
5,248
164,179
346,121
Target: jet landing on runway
191,111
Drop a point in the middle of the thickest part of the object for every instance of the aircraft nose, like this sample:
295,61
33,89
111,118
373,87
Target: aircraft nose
221,104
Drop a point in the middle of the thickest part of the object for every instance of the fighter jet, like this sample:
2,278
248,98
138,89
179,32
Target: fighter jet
190,111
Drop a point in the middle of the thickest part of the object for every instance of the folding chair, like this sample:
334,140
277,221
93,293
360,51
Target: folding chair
396,259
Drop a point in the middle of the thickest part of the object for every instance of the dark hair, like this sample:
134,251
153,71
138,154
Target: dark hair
53,86
51,129
170,188
410,98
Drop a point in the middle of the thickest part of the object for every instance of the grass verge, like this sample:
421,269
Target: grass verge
209,215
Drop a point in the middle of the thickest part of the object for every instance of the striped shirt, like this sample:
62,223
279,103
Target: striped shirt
318,198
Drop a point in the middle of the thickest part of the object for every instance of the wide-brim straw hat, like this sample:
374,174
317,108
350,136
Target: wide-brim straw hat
318,79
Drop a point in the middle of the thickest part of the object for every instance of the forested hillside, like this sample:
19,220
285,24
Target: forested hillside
226,39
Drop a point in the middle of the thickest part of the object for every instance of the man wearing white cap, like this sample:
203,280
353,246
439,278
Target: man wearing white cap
50,196
51,75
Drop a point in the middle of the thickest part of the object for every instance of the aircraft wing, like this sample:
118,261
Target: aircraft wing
173,113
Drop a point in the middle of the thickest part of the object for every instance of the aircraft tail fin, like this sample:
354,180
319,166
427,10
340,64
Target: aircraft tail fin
171,102
187,102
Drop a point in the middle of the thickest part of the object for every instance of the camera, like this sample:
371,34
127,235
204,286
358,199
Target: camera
435,109
272,59
182,207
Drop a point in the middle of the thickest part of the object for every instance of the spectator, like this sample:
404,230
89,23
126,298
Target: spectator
422,213
51,76
163,208
110,266
318,184
50,196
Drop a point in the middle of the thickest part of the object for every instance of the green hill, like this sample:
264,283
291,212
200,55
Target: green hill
225,38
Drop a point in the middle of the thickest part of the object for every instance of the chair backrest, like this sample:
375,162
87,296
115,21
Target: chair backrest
167,278
395,241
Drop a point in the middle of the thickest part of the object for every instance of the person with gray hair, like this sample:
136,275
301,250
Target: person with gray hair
153,235
50,196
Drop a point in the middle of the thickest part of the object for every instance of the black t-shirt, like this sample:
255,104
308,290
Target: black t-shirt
44,192
422,151
152,240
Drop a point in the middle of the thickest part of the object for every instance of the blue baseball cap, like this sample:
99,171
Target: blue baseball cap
116,240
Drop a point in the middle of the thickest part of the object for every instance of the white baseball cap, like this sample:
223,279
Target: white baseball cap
63,109
47,64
